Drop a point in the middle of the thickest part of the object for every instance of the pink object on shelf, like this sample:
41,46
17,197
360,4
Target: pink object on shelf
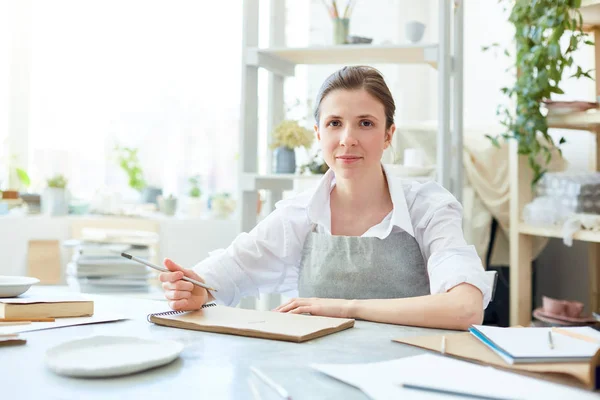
564,312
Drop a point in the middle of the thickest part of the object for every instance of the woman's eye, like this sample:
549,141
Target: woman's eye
366,123
334,123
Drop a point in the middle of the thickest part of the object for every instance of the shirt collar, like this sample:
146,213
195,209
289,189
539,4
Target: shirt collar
319,212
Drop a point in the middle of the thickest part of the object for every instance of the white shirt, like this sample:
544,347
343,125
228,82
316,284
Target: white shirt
267,259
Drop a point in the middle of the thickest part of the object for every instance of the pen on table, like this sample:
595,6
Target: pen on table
280,390
162,269
450,392
576,335
443,345
550,341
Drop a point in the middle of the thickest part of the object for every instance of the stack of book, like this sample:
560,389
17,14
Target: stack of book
98,267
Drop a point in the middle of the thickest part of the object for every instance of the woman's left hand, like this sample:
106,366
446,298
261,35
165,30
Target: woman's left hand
338,308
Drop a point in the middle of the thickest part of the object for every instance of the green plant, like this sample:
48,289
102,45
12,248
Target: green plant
290,134
195,190
540,62
23,177
128,160
57,181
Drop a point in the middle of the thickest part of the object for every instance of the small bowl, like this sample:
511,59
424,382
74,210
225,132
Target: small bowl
414,31
359,40
13,286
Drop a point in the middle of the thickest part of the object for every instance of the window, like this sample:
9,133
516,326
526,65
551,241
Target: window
163,77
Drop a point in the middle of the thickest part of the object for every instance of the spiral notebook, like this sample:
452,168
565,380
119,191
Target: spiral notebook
259,324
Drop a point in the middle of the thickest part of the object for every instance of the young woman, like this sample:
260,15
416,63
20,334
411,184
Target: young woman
364,244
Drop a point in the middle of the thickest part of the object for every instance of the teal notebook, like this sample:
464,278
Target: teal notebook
533,345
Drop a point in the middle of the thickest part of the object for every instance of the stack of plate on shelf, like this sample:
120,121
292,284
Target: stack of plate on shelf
98,267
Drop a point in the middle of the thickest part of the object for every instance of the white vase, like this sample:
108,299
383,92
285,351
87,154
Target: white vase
55,201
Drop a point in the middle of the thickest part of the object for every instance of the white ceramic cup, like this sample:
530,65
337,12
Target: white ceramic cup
414,157
414,31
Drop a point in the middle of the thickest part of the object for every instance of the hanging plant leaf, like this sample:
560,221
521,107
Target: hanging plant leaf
540,27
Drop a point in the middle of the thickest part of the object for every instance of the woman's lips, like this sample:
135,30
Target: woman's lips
348,159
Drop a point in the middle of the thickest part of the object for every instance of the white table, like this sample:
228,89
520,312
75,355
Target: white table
212,366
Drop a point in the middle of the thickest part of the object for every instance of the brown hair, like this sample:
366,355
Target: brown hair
355,78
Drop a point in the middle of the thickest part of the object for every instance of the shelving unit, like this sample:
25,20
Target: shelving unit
521,234
280,62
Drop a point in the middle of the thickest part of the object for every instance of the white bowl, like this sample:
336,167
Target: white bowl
12,286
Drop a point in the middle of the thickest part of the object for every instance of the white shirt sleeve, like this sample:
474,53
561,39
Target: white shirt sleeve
437,222
264,260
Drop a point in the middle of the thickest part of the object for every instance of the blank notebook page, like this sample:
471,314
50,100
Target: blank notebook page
263,321
533,342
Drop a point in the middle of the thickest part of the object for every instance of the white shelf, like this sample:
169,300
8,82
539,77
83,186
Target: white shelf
584,120
556,232
251,181
283,60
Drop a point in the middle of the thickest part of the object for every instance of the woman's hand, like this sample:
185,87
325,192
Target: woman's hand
338,308
182,295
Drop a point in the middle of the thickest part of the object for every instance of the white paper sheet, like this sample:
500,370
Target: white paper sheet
30,299
383,380
61,322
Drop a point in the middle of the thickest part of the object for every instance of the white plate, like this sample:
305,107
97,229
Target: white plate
102,356
12,286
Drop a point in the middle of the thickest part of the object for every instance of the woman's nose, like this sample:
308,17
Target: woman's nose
348,138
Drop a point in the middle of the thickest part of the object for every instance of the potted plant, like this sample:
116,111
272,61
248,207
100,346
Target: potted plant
128,160
541,61
285,138
194,205
222,205
55,199
167,205
32,200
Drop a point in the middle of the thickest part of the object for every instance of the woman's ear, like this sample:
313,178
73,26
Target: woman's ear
389,135
316,128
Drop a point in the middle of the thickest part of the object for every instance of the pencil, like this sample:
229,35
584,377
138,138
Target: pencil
550,341
335,10
450,392
280,390
576,335
162,269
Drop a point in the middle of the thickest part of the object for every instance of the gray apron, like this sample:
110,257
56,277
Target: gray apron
349,267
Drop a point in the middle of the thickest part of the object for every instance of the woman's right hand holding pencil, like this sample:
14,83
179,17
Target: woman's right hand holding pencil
183,295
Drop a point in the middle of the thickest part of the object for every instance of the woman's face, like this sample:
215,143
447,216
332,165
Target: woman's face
351,132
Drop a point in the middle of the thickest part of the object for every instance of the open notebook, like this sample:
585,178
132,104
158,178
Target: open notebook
260,324
518,345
